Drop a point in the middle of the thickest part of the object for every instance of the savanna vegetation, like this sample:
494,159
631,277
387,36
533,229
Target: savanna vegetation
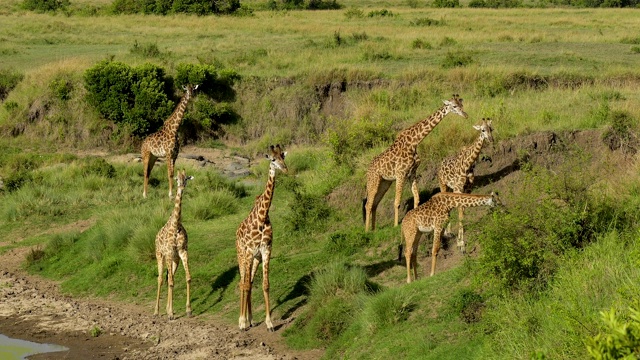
555,272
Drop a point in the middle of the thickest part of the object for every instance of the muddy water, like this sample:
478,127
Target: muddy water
16,349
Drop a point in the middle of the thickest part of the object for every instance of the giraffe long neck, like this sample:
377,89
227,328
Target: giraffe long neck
264,200
472,152
413,135
172,124
176,215
453,200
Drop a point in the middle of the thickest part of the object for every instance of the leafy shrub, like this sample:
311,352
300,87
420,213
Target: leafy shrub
164,7
620,133
380,13
620,339
133,96
8,80
11,105
426,22
630,40
420,44
354,13
61,88
308,212
346,142
447,41
146,50
45,5
457,59
388,308
304,5
523,245
635,49
467,305
446,3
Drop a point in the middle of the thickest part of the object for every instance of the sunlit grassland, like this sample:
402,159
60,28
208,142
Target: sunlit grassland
295,43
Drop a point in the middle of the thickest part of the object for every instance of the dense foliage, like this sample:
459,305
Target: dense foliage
8,80
164,7
45,5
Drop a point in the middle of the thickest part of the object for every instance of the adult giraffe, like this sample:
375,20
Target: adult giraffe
400,161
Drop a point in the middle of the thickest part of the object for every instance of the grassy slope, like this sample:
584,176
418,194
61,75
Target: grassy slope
118,244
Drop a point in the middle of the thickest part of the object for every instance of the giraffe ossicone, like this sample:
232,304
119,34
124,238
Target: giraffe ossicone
431,217
399,162
165,143
171,248
253,243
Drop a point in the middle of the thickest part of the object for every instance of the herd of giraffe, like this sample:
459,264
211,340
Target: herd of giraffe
254,236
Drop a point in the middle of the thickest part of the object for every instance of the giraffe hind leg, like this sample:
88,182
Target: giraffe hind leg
148,161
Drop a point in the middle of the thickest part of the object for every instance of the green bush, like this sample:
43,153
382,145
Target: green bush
387,309
420,44
8,80
61,88
380,13
97,166
426,21
467,305
354,13
133,96
45,5
348,140
620,338
164,7
446,3
308,212
457,59
347,243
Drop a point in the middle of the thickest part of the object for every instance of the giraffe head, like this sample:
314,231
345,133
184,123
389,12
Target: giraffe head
485,130
276,156
495,200
189,90
181,180
454,105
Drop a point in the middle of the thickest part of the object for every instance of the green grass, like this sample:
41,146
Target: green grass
334,90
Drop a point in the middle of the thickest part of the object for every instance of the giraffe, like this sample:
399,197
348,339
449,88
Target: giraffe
400,161
253,243
164,142
431,217
171,247
456,170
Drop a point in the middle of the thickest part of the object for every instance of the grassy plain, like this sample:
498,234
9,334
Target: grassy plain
528,69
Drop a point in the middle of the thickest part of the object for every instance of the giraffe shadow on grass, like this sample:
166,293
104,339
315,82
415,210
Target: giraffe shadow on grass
220,286
300,289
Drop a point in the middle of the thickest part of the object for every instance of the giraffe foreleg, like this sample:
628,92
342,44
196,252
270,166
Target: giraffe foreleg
460,243
148,160
170,165
171,266
437,232
400,180
160,281
245,288
266,256
185,263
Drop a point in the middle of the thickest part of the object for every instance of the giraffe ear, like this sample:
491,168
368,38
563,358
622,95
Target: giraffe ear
196,87
284,154
189,178
184,88
477,127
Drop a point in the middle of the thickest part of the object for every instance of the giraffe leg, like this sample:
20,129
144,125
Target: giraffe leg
185,263
245,288
437,232
254,269
400,180
409,234
160,280
414,256
170,164
416,193
460,242
172,266
148,160
376,188
266,256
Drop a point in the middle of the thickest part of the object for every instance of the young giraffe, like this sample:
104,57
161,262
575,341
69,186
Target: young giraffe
253,243
171,247
399,162
456,170
431,217
164,142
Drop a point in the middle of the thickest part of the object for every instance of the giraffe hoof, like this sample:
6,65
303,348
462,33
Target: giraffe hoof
271,329
189,313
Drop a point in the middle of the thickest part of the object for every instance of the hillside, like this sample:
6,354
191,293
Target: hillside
334,88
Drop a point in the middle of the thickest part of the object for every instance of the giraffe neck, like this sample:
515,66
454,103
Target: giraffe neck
264,201
413,135
472,152
172,124
453,200
176,215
